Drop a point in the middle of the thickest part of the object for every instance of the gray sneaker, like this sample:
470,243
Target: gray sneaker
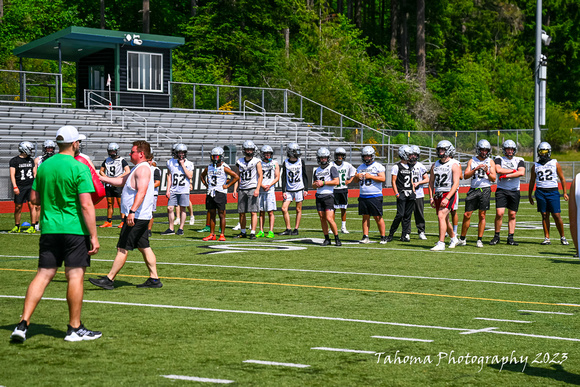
102,282
365,239
81,333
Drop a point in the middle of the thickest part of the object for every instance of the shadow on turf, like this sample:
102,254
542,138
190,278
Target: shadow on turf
38,329
118,284
556,373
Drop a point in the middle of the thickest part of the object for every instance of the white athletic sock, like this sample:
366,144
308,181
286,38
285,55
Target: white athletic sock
243,230
455,229
344,224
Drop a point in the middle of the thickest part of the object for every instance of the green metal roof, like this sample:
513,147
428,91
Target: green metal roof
77,42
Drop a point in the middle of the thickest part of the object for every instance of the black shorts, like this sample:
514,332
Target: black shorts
478,199
341,197
113,192
135,236
507,199
217,202
325,202
370,206
71,249
23,196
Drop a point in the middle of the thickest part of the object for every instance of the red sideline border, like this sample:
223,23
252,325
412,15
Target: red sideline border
7,207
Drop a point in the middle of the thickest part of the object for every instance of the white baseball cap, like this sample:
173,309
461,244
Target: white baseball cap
69,134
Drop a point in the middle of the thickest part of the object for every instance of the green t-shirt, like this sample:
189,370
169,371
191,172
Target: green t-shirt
59,181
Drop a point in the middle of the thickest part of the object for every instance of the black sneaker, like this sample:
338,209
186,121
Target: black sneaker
168,232
252,237
286,232
151,283
295,232
337,241
19,334
242,235
81,333
494,241
326,242
179,232
511,242
385,240
102,282
389,238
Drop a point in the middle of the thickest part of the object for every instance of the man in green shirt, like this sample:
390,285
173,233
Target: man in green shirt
63,189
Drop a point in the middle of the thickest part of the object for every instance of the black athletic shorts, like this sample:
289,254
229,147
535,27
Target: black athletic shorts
23,196
507,199
113,192
71,249
341,197
478,199
217,202
135,236
325,202
370,206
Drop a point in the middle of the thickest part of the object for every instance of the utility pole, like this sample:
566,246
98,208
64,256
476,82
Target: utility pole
540,76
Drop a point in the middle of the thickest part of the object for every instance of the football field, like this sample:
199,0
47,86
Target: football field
289,312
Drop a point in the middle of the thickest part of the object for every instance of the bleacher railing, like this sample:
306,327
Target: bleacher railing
32,87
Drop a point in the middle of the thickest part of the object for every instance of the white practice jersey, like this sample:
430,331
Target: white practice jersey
444,175
547,174
268,173
248,173
216,179
179,181
294,178
512,184
368,187
345,172
328,173
145,210
419,171
480,178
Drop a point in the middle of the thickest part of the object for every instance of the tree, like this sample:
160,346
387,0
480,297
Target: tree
421,76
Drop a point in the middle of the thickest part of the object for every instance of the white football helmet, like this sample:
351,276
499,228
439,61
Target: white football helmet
404,152
48,148
544,151
339,155
509,144
415,153
249,148
445,148
365,153
323,153
293,150
26,147
217,155
483,148
267,153
180,148
113,150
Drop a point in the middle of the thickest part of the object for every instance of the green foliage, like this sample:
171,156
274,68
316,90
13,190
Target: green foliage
560,124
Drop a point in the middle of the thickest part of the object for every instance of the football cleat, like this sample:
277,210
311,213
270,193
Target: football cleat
462,242
260,234
326,242
295,232
479,243
494,241
19,333
121,225
242,235
252,237
176,221
344,230
210,237
286,232
30,230
222,238
205,229
106,224
191,220
384,240
15,229
405,238
511,242
422,236
270,235
337,241
546,242
237,227
564,241
365,239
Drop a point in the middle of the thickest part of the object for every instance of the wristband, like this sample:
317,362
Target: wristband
398,194
514,171
15,187
131,212
323,183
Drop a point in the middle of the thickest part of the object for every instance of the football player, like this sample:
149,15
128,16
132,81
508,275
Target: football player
481,170
420,177
543,176
247,189
271,172
370,175
293,176
113,166
402,183
178,183
156,184
215,178
346,174
443,185
324,180
48,149
22,177
508,169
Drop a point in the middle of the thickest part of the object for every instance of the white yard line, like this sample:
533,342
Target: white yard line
275,363
343,350
401,338
544,312
499,319
198,379
325,318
